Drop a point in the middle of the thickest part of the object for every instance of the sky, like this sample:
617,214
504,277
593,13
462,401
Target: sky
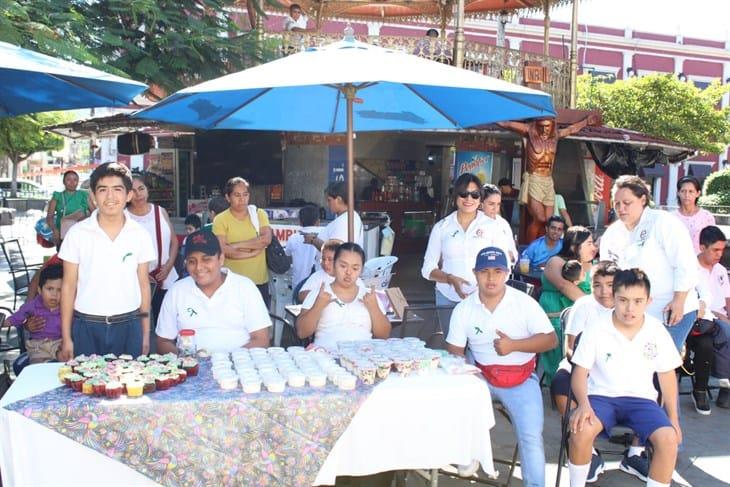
705,19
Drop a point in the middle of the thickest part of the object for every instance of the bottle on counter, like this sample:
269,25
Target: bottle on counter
186,343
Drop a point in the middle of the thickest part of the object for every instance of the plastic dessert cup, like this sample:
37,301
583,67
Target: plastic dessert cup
113,390
296,379
99,388
87,388
383,368
135,388
77,383
276,385
346,382
228,383
317,379
367,374
251,386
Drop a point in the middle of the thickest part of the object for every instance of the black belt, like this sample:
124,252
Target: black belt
109,320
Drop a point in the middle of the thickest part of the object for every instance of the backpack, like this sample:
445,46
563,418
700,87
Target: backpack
276,259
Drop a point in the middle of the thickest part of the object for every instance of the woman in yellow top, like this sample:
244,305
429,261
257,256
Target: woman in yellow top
244,248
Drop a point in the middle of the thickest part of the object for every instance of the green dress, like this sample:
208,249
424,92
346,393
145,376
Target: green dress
67,203
553,303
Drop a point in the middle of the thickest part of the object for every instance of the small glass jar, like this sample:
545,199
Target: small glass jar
186,343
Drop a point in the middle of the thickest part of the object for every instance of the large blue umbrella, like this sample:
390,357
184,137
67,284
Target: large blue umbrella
347,86
31,82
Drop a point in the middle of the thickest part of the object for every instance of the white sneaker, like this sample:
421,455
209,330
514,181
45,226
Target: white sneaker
468,470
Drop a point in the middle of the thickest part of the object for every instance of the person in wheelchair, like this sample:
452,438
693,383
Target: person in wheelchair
41,317
504,329
613,381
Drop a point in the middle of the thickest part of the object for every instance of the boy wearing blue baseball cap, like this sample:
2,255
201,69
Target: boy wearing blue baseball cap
505,329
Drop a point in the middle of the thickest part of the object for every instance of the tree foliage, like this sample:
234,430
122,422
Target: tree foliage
20,137
716,192
662,106
169,43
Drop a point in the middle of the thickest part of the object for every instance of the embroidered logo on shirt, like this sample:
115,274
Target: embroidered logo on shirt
480,232
477,330
608,356
191,312
128,254
650,351
642,238
456,232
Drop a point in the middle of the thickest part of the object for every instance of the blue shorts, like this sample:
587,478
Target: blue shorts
643,416
99,338
560,386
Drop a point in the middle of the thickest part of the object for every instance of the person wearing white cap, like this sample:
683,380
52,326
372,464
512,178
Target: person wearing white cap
505,329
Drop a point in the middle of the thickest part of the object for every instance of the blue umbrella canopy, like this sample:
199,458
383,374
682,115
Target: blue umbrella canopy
393,91
31,82
350,86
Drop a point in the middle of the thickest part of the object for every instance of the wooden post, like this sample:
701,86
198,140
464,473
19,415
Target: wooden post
574,56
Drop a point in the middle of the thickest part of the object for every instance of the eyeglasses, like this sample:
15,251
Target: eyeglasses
475,195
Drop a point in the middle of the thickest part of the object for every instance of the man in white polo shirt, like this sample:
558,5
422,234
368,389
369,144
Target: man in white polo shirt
505,329
105,295
613,381
224,308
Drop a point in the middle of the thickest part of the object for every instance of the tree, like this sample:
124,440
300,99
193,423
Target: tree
20,137
168,43
662,106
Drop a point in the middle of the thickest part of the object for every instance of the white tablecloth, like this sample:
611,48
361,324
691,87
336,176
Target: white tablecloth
418,422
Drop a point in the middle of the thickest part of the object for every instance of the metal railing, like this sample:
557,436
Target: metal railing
498,62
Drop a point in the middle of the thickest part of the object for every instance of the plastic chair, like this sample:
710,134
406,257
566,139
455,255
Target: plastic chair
378,272
19,269
7,346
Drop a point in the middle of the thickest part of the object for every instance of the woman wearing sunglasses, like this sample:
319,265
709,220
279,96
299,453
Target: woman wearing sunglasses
454,244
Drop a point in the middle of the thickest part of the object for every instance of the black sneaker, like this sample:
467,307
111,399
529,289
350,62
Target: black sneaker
702,402
723,398
636,465
597,467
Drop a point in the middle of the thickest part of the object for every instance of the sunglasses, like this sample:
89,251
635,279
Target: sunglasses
475,195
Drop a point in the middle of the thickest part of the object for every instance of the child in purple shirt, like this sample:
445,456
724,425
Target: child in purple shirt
41,317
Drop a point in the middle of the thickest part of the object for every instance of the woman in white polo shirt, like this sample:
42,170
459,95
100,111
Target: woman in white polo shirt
659,244
343,310
455,242
501,233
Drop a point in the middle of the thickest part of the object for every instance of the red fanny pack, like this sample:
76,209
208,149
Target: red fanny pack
506,376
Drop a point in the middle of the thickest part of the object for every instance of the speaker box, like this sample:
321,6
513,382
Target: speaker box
134,143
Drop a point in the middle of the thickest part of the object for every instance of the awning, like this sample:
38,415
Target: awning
700,171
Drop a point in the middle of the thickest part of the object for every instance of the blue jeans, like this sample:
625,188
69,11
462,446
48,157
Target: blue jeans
524,405
680,331
99,338
442,300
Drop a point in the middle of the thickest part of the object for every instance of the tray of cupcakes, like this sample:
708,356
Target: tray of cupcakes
111,377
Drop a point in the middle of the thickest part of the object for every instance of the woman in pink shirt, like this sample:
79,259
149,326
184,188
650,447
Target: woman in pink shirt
693,217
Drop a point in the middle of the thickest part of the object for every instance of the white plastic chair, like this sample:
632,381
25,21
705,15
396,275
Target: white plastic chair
377,272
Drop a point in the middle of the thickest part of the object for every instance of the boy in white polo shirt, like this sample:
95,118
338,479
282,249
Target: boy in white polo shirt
622,351
225,309
505,329
105,296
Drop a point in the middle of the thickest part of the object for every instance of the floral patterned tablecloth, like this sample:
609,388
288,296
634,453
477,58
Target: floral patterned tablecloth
196,434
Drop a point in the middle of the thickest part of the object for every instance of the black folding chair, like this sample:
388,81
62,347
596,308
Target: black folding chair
5,345
19,269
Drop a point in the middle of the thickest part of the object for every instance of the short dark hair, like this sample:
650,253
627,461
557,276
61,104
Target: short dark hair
635,184
293,6
505,182
337,190
308,215
350,247
631,278
109,169
463,182
605,268
488,190
139,177
50,273
556,218
432,33
571,270
218,204
711,234
233,182
70,171
572,240
193,220
694,182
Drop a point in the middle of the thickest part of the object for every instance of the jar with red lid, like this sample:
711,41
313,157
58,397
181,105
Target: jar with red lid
186,342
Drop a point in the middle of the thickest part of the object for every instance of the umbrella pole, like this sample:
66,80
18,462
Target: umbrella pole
349,91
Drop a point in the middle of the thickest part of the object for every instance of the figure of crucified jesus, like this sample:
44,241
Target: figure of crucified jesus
540,138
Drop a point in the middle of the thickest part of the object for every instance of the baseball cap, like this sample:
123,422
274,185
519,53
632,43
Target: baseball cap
491,258
202,241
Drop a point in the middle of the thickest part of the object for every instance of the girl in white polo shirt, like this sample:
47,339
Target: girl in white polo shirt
613,381
343,310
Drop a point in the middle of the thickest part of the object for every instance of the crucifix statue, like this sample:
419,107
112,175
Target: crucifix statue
540,144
